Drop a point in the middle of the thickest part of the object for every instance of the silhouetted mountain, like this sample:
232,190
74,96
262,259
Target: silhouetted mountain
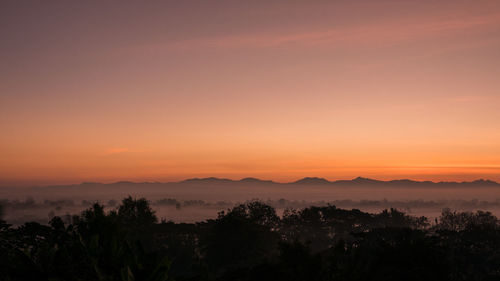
476,183
359,181
212,188
125,183
89,183
255,180
312,180
367,182
408,182
210,180
485,182
214,180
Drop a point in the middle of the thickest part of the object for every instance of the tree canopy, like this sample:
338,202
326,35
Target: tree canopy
251,242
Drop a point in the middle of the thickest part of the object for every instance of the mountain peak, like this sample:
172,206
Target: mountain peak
312,180
364,180
484,182
207,180
254,180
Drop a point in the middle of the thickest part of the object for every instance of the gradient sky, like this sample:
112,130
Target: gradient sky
166,90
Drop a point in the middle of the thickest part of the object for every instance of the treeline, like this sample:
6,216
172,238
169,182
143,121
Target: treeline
346,203
251,242
279,203
29,210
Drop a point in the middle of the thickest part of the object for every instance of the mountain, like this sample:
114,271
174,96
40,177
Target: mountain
210,180
367,182
484,182
219,189
255,181
312,180
307,181
125,183
358,181
476,183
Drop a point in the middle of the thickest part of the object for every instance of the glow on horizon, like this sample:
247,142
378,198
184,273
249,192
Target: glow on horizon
386,90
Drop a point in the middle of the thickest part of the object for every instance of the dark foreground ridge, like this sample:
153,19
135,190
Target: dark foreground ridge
251,242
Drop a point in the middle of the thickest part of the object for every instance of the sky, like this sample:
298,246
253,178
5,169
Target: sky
167,90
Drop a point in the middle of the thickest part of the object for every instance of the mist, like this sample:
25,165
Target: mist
200,199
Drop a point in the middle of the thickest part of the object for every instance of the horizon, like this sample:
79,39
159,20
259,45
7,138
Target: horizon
163,91
263,180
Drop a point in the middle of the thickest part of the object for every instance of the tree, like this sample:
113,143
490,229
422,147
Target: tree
240,237
136,213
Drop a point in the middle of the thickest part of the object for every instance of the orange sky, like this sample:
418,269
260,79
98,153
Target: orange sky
118,90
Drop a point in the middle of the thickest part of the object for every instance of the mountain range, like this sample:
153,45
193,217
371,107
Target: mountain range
316,181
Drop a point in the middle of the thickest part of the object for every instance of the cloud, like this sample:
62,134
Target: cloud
385,33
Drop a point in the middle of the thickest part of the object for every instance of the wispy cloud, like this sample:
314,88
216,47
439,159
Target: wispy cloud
386,33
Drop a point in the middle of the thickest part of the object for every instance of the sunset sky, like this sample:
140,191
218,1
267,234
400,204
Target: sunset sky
167,90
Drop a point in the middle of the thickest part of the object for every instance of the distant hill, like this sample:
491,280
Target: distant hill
307,181
254,180
312,180
359,181
210,180
308,188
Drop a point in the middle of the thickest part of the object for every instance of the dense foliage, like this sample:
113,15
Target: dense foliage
251,242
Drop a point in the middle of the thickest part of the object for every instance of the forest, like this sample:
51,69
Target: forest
251,241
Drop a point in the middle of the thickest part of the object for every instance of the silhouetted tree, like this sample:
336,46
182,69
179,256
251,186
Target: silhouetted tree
240,237
136,213
250,242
